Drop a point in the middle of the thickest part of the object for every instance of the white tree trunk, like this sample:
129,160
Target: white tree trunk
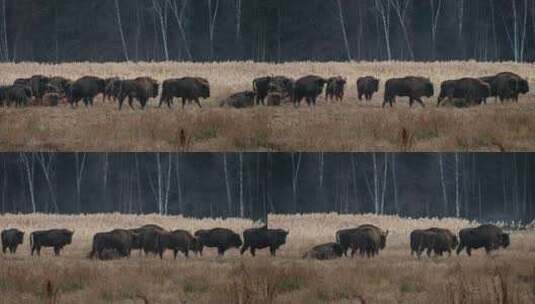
457,188
384,11
384,183
343,28
119,24
242,206
46,160
28,160
395,183
375,184
443,185
227,186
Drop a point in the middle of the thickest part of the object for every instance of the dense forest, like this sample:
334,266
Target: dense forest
266,30
493,187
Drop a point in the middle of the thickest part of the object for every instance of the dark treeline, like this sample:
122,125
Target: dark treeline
274,30
480,186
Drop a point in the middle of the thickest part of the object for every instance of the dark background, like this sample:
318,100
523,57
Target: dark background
490,187
262,30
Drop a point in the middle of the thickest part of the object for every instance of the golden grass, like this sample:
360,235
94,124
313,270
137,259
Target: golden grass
393,277
347,126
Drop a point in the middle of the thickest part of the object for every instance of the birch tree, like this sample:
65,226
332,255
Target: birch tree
445,208
383,9
457,187
178,13
227,186
161,11
436,8
212,16
46,161
120,26
296,165
375,184
28,160
343,28
401,12
242,206
80,161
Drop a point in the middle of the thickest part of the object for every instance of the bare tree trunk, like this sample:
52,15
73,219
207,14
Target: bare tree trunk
4,34
227,186
162,16
395,183
180,24
238,20
212,15
443,185
457,173
525,188
4,186
384,11
401,13
178,183
119,24
242,207
435,15
343,28
295,175
46,160
375,185
80,166
385,165
28,160
160,184
321,167
168,184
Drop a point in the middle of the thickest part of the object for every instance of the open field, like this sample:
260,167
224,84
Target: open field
347,126
393,277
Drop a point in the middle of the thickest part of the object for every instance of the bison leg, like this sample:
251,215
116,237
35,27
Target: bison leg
198,102
419,100
253,251
460,248
183,102
160,252
273,251
175,251
121,100
220,251
130,102
57,250
244,248
186,252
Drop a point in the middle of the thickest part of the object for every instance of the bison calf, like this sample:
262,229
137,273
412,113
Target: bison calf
335,88
367,86
258,238
326,251
239,100
57,238
11,238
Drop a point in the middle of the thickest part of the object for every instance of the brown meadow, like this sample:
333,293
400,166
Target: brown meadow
507,276
351,125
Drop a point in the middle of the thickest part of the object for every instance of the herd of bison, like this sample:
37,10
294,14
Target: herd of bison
366,240
270,90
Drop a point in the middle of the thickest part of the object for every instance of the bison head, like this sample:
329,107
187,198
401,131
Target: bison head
155,88
68,236
384,235
505,240
523,86
204,87
19,237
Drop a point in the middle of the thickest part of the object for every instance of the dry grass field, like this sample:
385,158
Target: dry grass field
347,126
393,277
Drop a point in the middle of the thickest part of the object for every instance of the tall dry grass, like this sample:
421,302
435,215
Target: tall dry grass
347,126
393,277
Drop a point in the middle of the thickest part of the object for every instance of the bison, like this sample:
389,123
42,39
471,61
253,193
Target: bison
11,238
51,99
261,88
85,88
25,82
112,89
258,238
335,88
19,94
470,89
147,238
506,85
433,239
57,238
119,240
178,240
367,86
344,240
62,83
220,238
366,240
326,251
187,88
308,87
411,86
486,236
37,84
141,88
239,100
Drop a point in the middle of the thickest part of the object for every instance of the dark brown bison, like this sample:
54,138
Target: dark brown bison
365,240
308,87
239,100
85,88
141,88
20,95
343,236
25,82
367,86
335,88
119,240
62,83
411,86
326,251
112,89
187,88
472,90
147,238
3,94
220,238
485,236
11,238
261,88
506,85
51,99
37,84
178,240
57,238
279,86
258,238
